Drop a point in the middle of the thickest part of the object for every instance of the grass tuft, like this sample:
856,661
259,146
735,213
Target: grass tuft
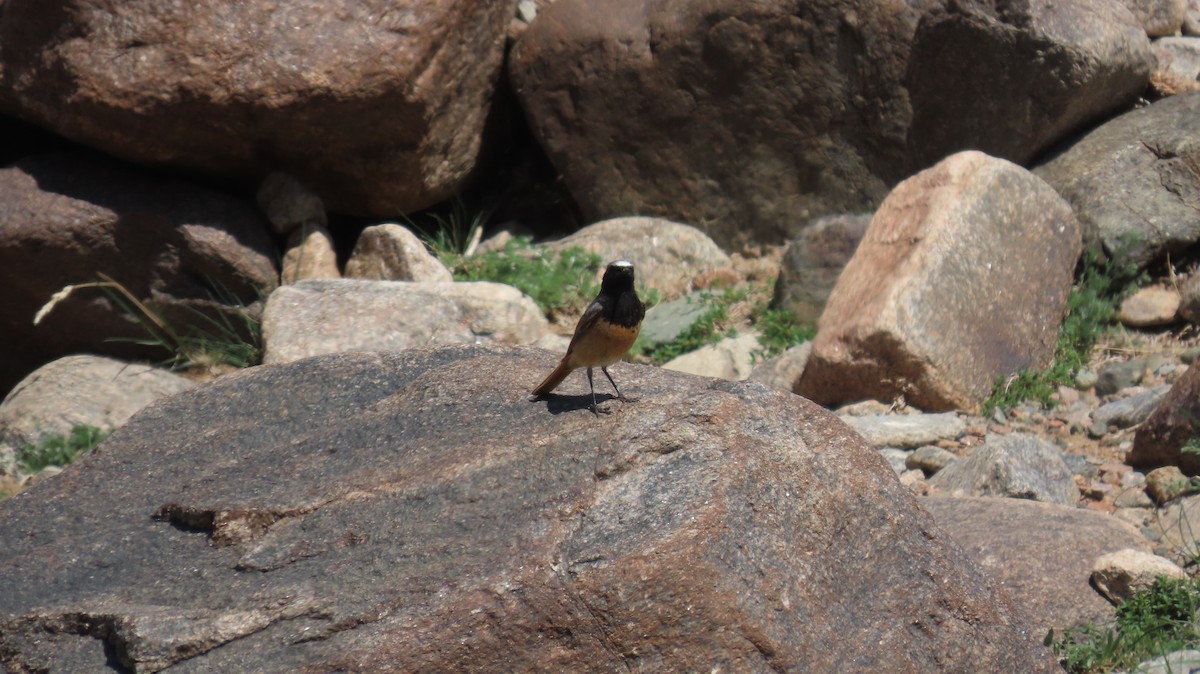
779,330
59,450
560,282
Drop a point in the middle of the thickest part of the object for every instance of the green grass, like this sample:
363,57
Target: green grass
59,450
230,336
1150,624
779,330
1091,305
558,281
711,327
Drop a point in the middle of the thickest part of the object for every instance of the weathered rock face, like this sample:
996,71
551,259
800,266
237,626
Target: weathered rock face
1134,181
318,317
1041,552
65,218
812,263
404,512
1016,466
378,106
750,119
1160,440
961,277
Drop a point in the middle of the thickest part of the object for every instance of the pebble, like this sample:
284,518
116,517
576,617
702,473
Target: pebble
1150,307
1166,483
929,459
896,458
1119,375
1129,411
1085,379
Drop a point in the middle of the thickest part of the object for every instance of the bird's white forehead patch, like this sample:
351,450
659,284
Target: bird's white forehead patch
621,263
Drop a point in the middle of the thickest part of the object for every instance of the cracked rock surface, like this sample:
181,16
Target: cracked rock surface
413,512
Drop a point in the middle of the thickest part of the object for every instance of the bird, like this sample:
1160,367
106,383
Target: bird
604,333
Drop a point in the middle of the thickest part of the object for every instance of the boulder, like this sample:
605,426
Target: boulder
1042,553
367,103
731,358
812,263
1132,181
401,512
1159,441
1017,466
390,252
79,390
1124,573
318,317
962,277
1150,307
67,218
750,119
1178,65
670,257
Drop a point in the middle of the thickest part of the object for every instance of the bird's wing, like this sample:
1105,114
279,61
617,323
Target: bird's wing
586,321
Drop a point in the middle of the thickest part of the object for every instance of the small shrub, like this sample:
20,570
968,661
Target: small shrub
711,327
59,450
1150,624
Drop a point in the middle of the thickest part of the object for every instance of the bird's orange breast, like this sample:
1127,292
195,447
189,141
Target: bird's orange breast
602,345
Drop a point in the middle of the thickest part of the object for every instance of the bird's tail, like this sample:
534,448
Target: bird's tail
551,382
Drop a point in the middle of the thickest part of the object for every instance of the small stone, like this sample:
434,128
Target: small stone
1166,484
908,430
1189,305
1130,411
665,321
1067,395
1178,662
1189,356
915,481
929,459
1121,574
1016,466
998,416
390,252
1085,379
1150,307
1132,498
1119,375
731,359
310,255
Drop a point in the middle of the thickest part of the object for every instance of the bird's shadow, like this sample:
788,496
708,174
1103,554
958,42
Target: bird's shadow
557,404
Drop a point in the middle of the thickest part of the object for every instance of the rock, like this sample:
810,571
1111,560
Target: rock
1191,18
1119,374
1167,484
666,321
398,511
1085,379
1017,466
181,250
310,255
1149,307
731,359
1160,439
318,317
812,263
929,459
1158,17
376,111
896,458
1178,69
1132,183
79,390
1120,575
1130,411
962,277
288,204
669,256
906,430
391,252
1015,83
1042,553
882,90
1178,662
783,370
1189,304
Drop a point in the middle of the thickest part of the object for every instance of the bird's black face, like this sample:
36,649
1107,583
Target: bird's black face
618,276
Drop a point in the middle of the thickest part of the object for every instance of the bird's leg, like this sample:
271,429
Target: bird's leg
604,369
593,388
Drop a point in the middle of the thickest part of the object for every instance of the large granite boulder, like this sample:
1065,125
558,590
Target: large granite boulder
414,512
379,106
962,277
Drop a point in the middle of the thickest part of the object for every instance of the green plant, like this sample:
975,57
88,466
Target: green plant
710,327
779,330
559,281
213,337
451,234
1150,624
1091,305
59,450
